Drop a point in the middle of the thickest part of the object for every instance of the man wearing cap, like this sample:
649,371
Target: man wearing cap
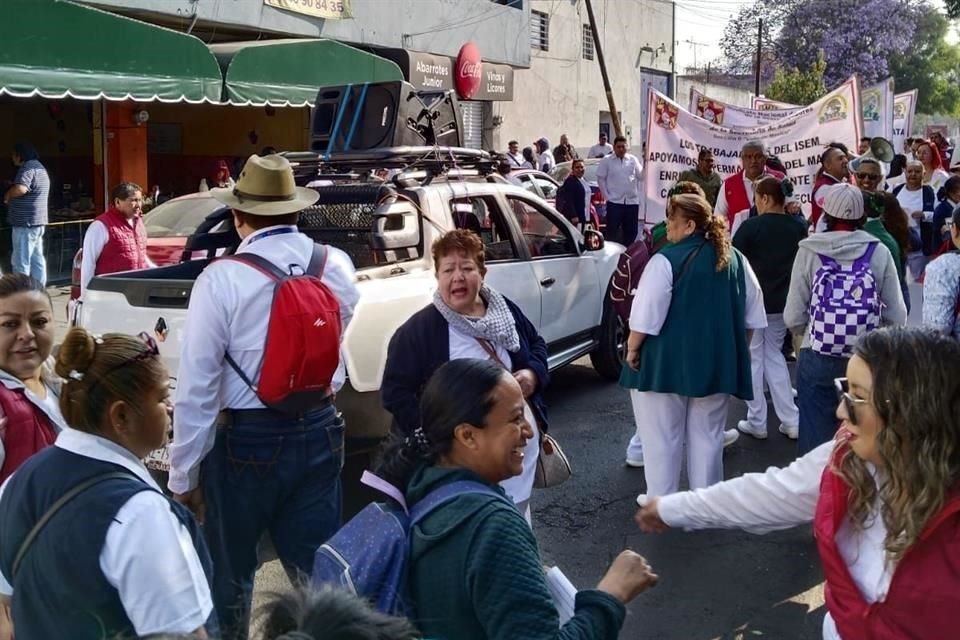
845,242
242,468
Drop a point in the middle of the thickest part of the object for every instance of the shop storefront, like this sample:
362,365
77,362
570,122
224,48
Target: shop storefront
478,84
141,103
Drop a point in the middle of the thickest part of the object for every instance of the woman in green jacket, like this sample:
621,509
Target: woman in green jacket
475,571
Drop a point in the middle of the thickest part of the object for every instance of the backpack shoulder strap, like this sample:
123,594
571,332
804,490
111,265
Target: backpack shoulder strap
864,260
318,260
446,493
827,261
61,502
259,263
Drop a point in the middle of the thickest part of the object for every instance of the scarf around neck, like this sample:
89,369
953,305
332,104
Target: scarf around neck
497,325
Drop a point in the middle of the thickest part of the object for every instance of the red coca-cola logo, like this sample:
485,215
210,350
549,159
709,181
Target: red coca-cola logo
469,71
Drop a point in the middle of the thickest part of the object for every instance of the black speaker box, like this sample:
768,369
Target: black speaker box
385,114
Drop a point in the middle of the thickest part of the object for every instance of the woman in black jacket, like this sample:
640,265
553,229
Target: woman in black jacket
467,319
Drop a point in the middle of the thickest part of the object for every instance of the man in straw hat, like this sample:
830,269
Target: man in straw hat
242,468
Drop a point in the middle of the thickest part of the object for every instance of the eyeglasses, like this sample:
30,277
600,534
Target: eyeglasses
849,402
868,176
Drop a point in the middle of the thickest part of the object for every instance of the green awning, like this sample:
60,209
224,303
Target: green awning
288,73
57,49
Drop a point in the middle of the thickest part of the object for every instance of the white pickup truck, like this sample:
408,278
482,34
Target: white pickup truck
558,276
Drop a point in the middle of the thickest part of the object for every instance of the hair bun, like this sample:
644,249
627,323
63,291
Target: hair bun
786,187
76,353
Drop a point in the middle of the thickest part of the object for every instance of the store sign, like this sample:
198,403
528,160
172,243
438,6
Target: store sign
327,9
496,83
469,73
430,73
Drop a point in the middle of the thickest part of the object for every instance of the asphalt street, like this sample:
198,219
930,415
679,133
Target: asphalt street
713,584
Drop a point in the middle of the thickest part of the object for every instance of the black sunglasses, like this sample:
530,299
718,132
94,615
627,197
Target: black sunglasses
868,176
849,402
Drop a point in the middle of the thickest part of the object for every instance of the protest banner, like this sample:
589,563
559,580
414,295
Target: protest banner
731,115
877,104
675,137
765,104
904,107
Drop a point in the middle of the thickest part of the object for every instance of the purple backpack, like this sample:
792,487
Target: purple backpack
844,305
368,555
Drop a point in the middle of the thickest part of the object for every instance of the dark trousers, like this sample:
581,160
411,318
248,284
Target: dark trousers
817,397
622,222
277,476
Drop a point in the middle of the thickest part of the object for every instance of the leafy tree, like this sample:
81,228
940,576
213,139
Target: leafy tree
799,87
953,8
931,65
739,41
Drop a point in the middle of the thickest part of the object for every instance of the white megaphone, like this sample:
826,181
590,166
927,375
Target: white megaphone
880,150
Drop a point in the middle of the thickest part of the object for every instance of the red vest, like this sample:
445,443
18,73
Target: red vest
27,431
736,193
816,210
126,248
924,594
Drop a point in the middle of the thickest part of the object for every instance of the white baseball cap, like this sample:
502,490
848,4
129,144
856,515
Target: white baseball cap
842,201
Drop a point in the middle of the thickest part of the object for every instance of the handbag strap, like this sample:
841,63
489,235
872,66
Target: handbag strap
491,352
56,506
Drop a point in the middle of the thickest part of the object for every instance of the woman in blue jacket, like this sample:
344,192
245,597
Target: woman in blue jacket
467,319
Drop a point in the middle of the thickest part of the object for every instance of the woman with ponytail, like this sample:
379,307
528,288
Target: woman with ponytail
90,547
770,242
475,572
688,351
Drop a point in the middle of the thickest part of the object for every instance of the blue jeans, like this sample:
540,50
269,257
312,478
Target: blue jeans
277,476
817,397
28,255
623,221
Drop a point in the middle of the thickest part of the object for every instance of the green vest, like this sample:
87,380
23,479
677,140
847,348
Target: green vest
702,347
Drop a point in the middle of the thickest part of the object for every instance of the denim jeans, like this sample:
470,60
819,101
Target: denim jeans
622,223
817,397
278,477
28,255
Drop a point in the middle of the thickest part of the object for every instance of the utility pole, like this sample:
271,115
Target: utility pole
756,90
614,115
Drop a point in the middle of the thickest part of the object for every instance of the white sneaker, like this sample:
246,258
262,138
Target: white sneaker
729,437
790,432
635,463
744,426
642,500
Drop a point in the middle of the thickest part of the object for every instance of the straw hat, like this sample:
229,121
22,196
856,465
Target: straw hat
266,188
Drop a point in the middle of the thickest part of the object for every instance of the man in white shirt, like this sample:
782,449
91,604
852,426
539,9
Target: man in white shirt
619,177
242,468
601,150
116,240
514,156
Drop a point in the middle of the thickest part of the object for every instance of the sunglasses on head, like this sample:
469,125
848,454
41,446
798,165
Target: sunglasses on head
849,402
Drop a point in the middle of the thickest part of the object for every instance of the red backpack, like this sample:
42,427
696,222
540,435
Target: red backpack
302,349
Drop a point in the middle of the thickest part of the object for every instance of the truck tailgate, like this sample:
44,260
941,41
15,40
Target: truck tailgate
153,301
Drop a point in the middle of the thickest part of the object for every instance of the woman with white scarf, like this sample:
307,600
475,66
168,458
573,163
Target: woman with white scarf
467,319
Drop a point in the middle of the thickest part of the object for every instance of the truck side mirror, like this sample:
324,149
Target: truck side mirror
592,240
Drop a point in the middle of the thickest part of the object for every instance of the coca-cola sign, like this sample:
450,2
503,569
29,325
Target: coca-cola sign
469,71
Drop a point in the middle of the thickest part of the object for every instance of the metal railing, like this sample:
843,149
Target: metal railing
61,241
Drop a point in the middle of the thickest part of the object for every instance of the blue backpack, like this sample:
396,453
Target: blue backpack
368,556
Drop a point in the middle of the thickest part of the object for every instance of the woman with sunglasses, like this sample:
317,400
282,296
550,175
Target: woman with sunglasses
884,496
89,545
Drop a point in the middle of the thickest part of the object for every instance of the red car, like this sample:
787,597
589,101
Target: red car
168,226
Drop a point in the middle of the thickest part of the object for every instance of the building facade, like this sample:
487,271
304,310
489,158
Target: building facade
562,91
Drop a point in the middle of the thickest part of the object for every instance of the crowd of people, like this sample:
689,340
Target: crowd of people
91,546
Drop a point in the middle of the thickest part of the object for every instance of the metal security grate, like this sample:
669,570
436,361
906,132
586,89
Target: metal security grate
343,225
539,30
587,42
